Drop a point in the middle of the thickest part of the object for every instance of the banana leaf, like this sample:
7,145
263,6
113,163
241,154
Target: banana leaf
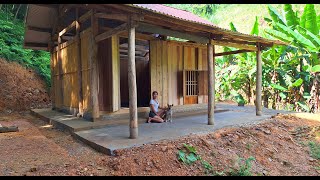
232,27
279,35
303,18
298,37
311,19
278,87
275,16
297,83
315,68
255,28
303,106
309,35
291,19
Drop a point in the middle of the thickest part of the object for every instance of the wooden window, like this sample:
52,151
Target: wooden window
191,83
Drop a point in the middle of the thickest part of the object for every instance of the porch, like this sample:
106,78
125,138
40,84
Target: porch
109,135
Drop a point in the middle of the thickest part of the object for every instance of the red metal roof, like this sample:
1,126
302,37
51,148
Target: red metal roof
177,13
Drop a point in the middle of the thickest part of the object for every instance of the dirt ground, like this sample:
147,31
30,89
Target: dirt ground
21,88
278,146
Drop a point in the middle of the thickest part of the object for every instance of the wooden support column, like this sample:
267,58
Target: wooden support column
94,70
259,82
132,81
211,85
60,72
53,86
78,41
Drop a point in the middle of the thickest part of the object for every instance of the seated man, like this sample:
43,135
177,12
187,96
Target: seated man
155,115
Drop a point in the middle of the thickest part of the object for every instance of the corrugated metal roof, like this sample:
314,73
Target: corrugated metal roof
43,17
188,16
177,13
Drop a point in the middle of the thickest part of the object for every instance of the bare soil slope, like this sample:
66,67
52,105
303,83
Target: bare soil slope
21,88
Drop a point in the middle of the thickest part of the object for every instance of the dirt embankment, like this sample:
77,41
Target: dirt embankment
21,88
279,147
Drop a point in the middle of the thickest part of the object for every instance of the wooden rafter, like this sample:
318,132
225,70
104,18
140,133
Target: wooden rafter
32,44
117,30
118,16
235,45
143,27
232,52
85,16
39,29
72,25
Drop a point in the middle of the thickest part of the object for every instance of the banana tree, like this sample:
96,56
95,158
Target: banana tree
237,77
303,35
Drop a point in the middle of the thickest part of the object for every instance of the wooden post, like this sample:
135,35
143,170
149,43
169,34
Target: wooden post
60,72
259,82
78,40
94,70
53,86
211,84
132,81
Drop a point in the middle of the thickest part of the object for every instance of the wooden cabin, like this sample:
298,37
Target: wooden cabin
105,57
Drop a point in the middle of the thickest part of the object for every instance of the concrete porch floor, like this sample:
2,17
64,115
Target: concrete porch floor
107,137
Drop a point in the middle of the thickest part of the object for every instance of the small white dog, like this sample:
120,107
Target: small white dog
168,117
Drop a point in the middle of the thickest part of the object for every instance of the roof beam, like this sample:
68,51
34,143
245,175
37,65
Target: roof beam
159,30
85,16
32,44
39,29
232,52
73,24
118,16
235,45
114,31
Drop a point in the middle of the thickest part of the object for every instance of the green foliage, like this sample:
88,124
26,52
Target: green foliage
11,47
188,155
255,29
244,167
291,19
314,149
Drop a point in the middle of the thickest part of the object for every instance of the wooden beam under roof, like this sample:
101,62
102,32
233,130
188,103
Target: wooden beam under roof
72,25
33,44
232,52
39,29
143,27
123,27
118,16
235,45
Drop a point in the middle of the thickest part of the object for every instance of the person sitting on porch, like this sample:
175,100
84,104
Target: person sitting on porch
155,115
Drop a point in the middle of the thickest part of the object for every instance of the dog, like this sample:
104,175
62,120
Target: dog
168,117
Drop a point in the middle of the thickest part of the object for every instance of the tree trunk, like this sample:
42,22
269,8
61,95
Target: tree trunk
25,14
15,16
1,6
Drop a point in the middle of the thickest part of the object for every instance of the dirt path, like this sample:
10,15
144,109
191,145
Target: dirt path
278,146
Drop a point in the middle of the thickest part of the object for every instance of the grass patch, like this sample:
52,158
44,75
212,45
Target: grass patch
314,149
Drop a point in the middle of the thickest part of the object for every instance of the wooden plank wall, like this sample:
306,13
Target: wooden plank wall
203,75
168,59
70,77
69,70
85,39
109,74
